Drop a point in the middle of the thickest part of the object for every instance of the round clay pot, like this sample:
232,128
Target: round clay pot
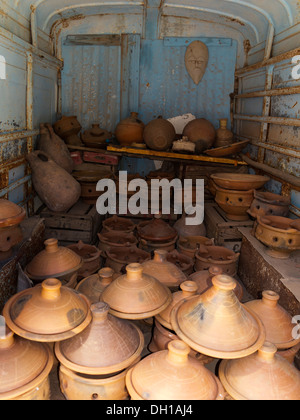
54,261
51,144
162,336
239,182
217,256
93,286
156,231
91,258
203,279
235,203
185,230
217,324
113,239
224,137
159,134
201,130
277,321
9,237
24,367
263,375
280,235
269,204
189,245
119,224
183,262
11,215
47,312
130,130
136,295
164,271
68,128
58,189
150,379
119,257
95,137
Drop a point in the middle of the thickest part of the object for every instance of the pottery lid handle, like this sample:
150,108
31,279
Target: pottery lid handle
134,271
100,311
51,289
267,352
160,255
224,282
270,298
51,245
178,352
189,287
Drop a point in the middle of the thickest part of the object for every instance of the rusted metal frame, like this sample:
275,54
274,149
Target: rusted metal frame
272,92
29,125
292,122
295,210
17,135
15,185
269,42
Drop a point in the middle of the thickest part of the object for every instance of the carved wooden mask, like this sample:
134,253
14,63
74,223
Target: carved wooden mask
196,60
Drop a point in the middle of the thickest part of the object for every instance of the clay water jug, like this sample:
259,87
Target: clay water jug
159,134
130,130
51,144
224,137
54,185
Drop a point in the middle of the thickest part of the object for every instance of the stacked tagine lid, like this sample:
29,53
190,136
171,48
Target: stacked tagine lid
263,375
24,367
136,295
156,231
105,349
172,375
217,324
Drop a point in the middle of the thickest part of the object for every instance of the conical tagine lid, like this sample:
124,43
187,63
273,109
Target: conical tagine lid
10,213
277,321
47,312
23,363
172,375
217,324
93,286
264,375
53,261
163,270
106,346
136,295
156,230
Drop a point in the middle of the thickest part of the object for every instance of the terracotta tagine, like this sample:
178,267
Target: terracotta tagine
130,130
47,312
163,270
185,230
24,367
113,239
200,131
95,137
57,189
156,231
224,137
91,258
136,295
119,224
277,321
92,286
159,134
280,235
189,245
269,204
68,128
119,257
183,262
217,256
234,203
217,324
149,246
239,182
11,215
203,279
263,375
150,379
51,144
54,261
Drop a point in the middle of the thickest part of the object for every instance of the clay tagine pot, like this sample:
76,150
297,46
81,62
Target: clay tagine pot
217,324
91,258
280,235
277,321
54,261
24,367
189,245
68,128
239,182
130,130
264,375
183,262
269,204
234,203
136,295
217,256
95,137
11,215
172,375
47,312
156,231
113,239
93,286
119,224
203,279
185,230
119,257
163,270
